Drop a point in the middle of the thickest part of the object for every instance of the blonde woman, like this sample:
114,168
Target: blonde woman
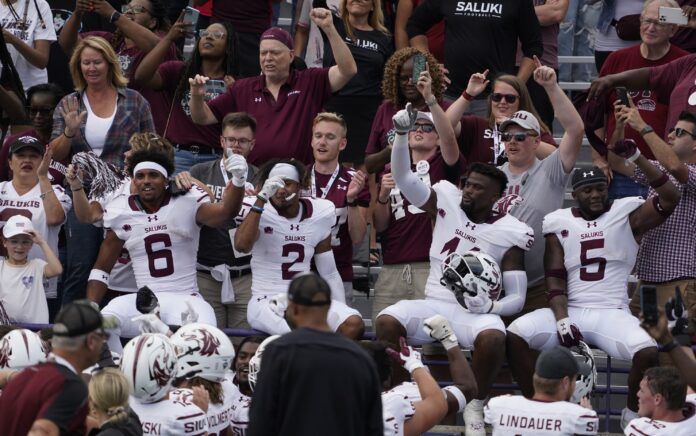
108,405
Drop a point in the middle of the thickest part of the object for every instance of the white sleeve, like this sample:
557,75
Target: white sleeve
515,285
587,423
326,267
410,185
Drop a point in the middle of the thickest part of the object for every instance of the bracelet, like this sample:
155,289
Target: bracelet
44,194
669,346
115,15
258,196
257,209
66,135
432,101
659,182
467,96
352,203
78,189
381,202
645,130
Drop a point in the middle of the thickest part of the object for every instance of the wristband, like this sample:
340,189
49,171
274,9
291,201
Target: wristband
645,130
467,96
432,101
258,196
99,275
382,202
114,17
257,209
353,203
669,346
66,135
635,156
456,393
660,181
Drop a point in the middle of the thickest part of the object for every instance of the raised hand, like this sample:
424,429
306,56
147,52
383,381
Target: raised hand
236,165
270,187
197,85
386,187
180,29
543,75
74,179
425,84
45,164
322,18
631,116
70,111
405,119
35,236
409,358
356,185
477,83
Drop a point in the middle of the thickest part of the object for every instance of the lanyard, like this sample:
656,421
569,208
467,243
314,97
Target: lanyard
225,177
325,191
498,145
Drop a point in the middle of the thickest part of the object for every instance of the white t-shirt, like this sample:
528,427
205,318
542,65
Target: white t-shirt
31,206
36,28
22,291
649,427
314,51
96,128
610,41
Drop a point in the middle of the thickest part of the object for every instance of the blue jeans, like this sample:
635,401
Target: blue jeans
576,38
622,186
184,160
83,242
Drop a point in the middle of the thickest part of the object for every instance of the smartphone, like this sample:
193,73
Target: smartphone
191,16
672,16
622,95
648,304
419,63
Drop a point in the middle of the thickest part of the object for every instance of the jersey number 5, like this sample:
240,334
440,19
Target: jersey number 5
165,266
288,249
601,262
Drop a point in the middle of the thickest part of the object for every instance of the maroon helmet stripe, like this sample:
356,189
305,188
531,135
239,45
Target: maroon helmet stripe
139,346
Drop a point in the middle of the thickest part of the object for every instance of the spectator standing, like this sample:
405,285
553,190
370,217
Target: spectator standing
108,403
607,39
51,398
281,96
494,26
27,28
214,57
311,370
576,38
436,34
362,27
308,39
654,50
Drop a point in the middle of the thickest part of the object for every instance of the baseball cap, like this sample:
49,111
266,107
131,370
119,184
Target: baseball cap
279,35
79,318
27,141
304,289
524,119
17,225
587,176
558,362
427,116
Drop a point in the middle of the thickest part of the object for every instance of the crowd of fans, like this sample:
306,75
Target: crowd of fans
164,177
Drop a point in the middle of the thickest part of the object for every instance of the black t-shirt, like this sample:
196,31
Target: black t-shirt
370,49
314,382
480,35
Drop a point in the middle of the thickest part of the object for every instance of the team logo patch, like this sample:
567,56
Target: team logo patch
441,212
5,353
159,374
207,343
268,230
564,233
127,228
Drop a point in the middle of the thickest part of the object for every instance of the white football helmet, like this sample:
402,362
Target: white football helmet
584,385
202,351
21,348
149,364
471,273
255,361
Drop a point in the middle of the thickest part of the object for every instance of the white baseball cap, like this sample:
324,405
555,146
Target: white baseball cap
17,225
425,116
524,119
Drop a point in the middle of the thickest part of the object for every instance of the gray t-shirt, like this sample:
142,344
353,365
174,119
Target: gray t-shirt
214,246
529,197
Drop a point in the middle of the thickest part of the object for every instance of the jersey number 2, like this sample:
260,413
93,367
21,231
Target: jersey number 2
601,262
164,255
288,249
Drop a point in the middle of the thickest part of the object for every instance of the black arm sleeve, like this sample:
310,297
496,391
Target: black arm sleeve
425,16
529,30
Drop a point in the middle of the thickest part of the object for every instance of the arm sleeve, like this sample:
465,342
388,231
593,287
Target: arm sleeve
410,185
326,267
529,30
425,16
515,285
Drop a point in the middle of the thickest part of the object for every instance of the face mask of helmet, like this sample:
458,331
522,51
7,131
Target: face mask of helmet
471,273
584,384
255,361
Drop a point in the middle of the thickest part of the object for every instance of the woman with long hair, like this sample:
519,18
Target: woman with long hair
108,405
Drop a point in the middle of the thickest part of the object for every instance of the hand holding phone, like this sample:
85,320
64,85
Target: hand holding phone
191,16
419,62
672,16
622,95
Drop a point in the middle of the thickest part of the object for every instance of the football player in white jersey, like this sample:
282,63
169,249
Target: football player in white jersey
160,231
663,406
284,233
149,363
239,412
590,251
464,220
548,412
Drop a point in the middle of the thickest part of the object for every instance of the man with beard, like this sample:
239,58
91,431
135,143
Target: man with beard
283,229
590,251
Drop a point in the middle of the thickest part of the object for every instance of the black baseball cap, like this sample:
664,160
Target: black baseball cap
309,289
79,318
558,362
587,176
27,141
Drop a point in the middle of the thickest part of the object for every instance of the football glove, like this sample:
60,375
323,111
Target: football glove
438,328
568,333
409,358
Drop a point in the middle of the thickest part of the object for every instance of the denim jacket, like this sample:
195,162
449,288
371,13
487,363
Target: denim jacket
607,15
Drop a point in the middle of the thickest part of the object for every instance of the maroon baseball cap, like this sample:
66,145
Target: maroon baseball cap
279,35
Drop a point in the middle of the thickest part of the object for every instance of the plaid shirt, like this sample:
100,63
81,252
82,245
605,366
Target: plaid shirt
132,116
668,252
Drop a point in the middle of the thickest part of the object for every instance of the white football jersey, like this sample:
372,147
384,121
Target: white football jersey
218,415
31,206
454,233
649,427
162,245
239,413
598,255
176,415
285,247
398,407
515,415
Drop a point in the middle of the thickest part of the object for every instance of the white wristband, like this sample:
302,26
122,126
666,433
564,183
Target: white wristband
99,275
635,156
456,393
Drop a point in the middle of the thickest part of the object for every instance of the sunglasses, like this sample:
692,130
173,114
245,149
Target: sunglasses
126,9
518,137
510,98
679,132
425,128
203,33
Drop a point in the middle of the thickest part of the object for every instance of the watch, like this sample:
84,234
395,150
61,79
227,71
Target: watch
645,130
114,17
352,203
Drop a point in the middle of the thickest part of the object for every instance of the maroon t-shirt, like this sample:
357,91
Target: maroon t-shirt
130,58
647,101
56,170
685,36
181,129
45,391
410,231
675,84
283,126
250,16
341,244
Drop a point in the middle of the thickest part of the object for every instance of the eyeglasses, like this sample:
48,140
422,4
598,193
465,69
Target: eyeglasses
679,132
45,111
127,9
203,33
425,128
518,137
102,334
648,21
241,141
510,98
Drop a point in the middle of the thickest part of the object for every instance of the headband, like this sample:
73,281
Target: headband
285,171
149,165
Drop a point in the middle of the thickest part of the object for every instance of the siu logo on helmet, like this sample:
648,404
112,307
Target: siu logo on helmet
5,353
159,374
208,344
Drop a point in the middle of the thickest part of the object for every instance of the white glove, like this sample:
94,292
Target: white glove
481,303
270,187
404,119
568,333
189,316
150,323
236,165
438,328
278,304
409,358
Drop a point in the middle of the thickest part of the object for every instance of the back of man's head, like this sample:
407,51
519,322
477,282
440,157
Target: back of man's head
309,300
668,383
